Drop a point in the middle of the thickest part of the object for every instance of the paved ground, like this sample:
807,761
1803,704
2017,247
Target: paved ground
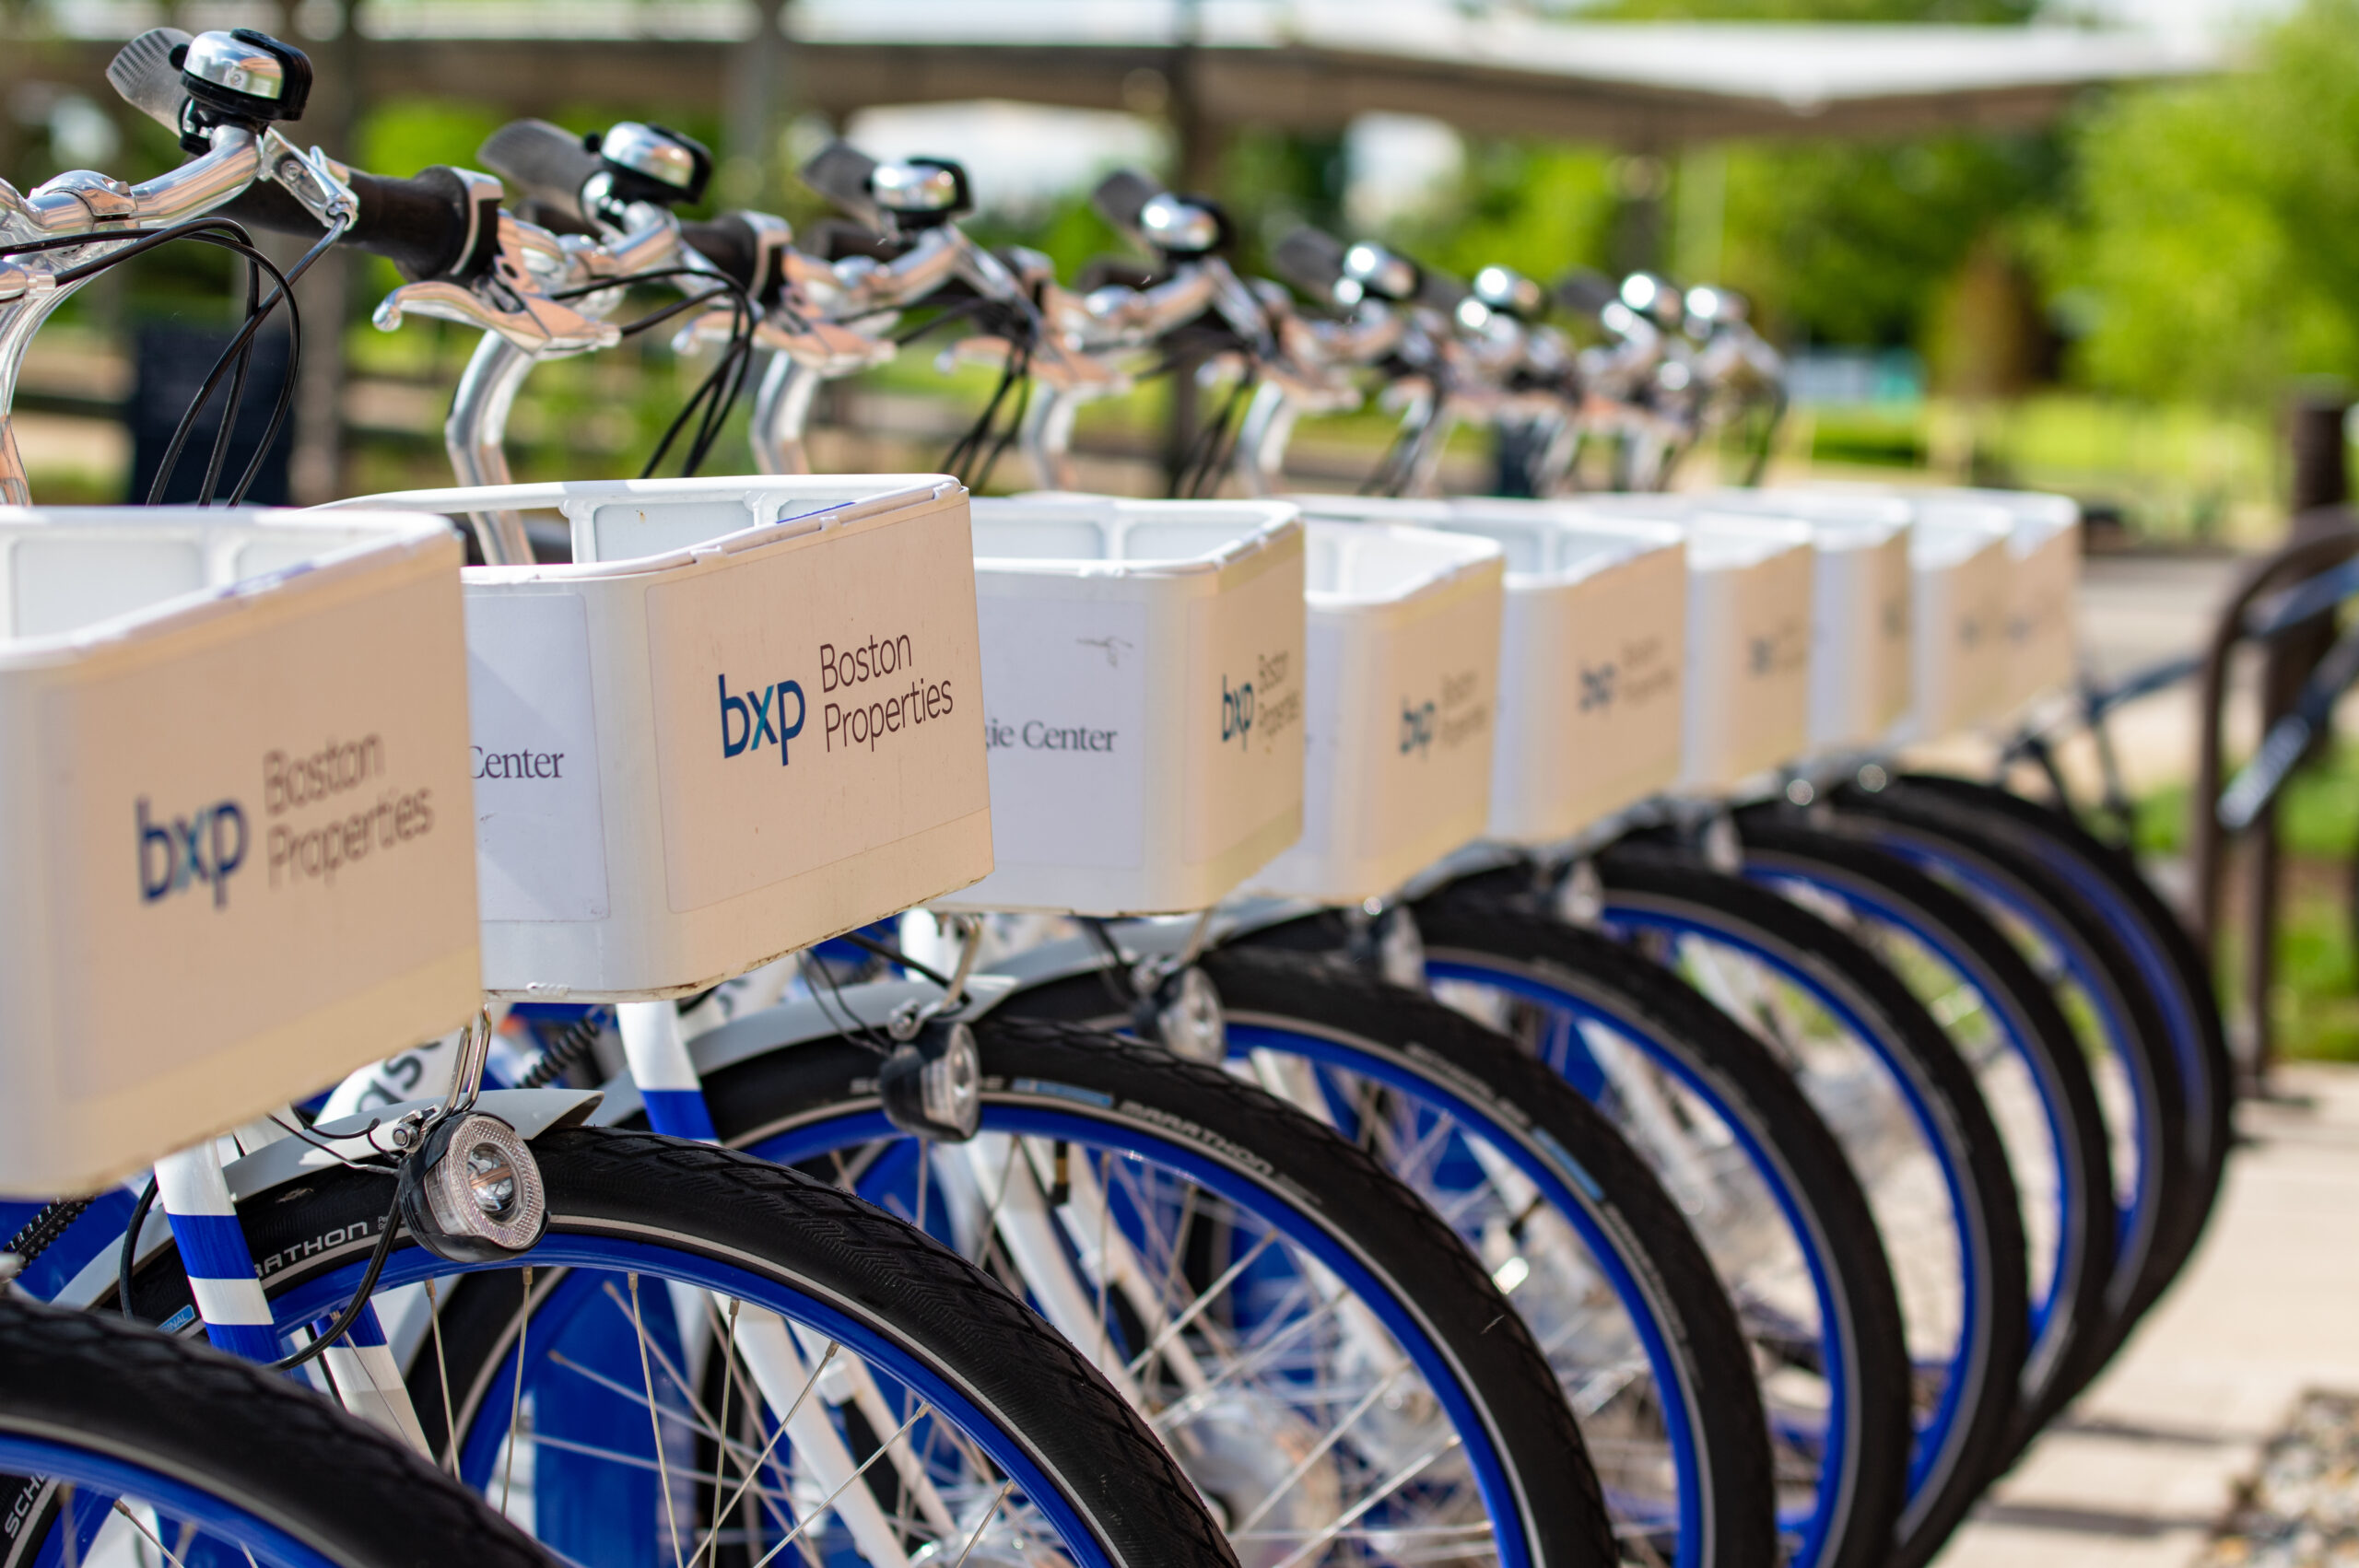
2143,1466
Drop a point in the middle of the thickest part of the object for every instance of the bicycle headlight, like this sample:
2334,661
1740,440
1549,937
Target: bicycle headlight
472,1192
1188,1021
933,1086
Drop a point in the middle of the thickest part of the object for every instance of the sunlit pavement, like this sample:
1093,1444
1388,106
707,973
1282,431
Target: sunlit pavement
2142,1468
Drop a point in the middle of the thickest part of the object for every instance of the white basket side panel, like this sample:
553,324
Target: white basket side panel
1961,651
1065,681
871,635
1860,678
1749,636
1430,773
2042,624
540,828
1892,684
1591,693
1333,793
1837,646
1245,703
252,822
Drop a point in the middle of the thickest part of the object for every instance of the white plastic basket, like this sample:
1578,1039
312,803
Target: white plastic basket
1143,666
651,818
1592,649
1749,634
1860,678
234,859
1402,705
2044,543
1965,578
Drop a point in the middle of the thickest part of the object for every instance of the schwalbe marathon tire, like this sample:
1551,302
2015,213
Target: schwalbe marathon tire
233,1431
2211,1135
816,1239
1298,990
1152,1093
1964,836
1480,920
1991,1226
1776,841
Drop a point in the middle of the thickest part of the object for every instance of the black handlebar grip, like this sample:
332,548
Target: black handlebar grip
546,162
837,239
1115,271
1438,290
840,171
265,205
1311,259
730,243
1585,291
421,225
143,73
1121,196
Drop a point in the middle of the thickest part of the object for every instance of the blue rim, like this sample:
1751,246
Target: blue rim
115,1476
316,1297
1937,1436
2068,1218
1811,1529
839,1130
2162,977
2138,1216
1549,1171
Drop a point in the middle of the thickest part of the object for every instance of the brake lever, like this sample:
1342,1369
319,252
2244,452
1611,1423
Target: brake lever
508,302
829,348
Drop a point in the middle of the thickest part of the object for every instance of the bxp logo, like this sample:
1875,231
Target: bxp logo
755,718
1236,711
1417,727
207,848
1597,686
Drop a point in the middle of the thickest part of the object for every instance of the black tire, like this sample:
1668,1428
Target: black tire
2172,1191
1485,921
1422,1038
716,1203
1148,1094
269,1448
1782,842
1642,881
2042,832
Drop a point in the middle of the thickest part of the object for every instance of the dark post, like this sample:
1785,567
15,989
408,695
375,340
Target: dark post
749,148
2321,485
316,466
1197,155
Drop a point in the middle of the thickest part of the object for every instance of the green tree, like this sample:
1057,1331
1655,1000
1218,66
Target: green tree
2212,251
1856,243
1540,209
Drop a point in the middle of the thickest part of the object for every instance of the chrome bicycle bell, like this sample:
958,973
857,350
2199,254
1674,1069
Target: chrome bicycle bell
1180,227
239,78
918,192
646,163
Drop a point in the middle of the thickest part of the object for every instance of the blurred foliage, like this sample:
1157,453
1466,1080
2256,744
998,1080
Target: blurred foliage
1857,243
2211,247
1541,209
2315,1005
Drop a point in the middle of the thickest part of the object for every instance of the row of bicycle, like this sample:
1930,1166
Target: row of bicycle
1428,1030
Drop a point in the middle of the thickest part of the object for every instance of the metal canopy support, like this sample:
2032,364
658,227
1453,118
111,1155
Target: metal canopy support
1315,67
